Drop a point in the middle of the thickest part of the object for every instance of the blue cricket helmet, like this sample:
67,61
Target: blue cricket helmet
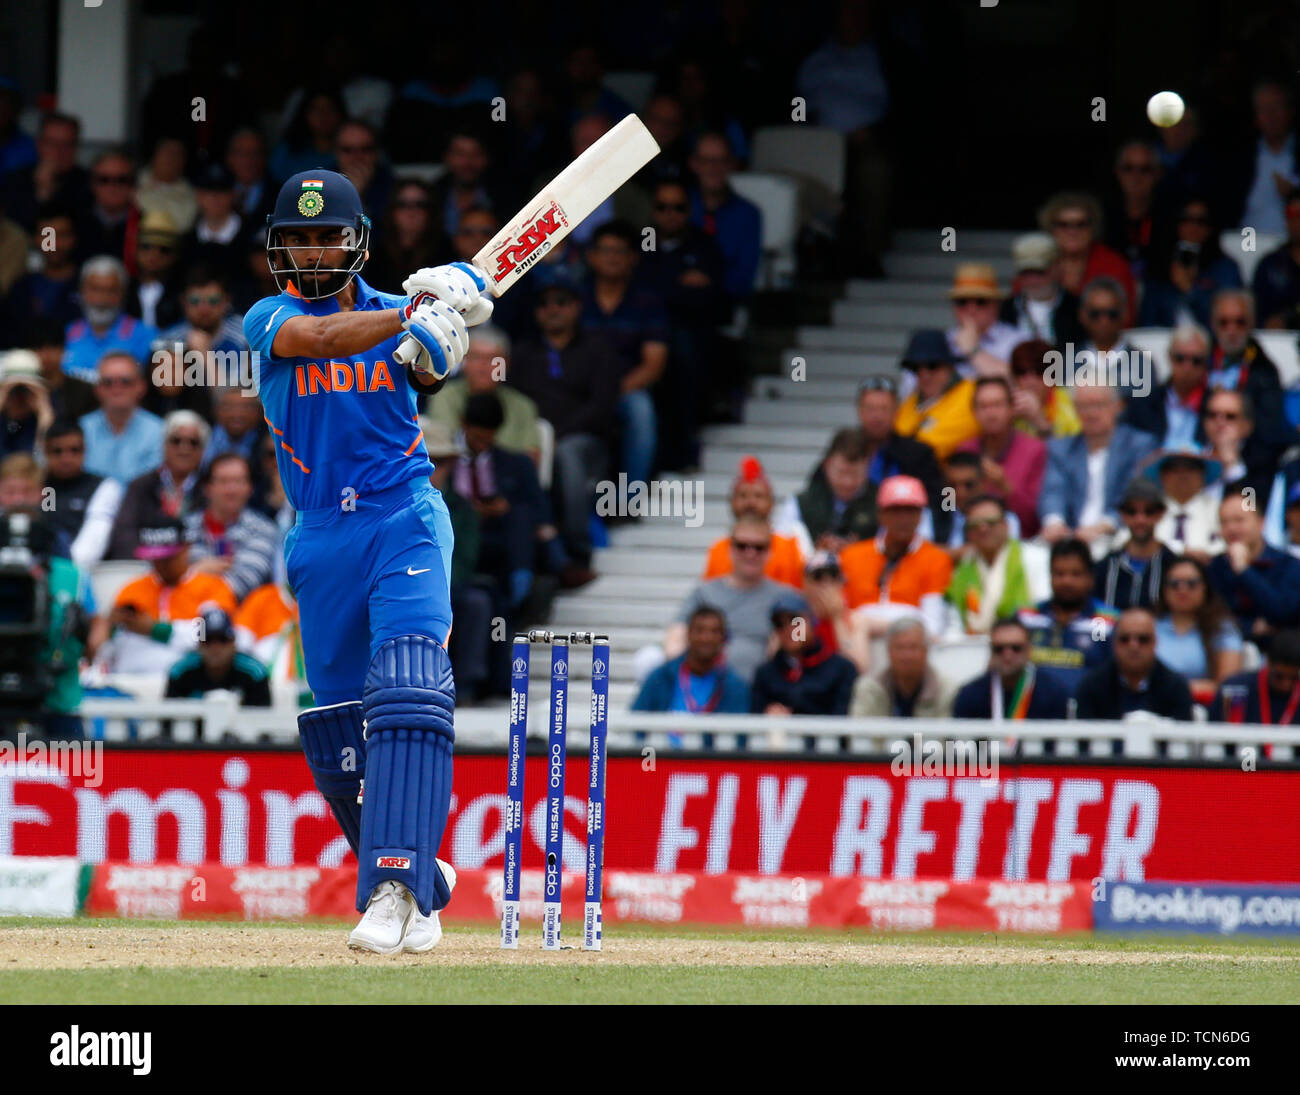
317,199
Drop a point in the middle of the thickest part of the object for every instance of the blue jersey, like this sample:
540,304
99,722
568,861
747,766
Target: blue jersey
343,428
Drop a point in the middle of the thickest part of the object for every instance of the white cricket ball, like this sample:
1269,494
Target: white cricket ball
1165,108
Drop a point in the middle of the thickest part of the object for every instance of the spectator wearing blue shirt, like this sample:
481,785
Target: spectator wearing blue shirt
209,326
104,327
1069,633
17,149
1195,635
1172,412
1260,584
734,222
635,322
123,440
699,681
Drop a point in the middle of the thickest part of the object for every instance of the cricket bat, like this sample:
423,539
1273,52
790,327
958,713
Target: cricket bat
564,203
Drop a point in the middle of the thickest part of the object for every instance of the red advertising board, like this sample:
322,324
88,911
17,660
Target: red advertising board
755,817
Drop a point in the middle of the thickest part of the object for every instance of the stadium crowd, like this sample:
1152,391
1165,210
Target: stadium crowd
1119,527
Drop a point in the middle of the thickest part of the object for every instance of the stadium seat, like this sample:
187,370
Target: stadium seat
108,578
1154,340
634,88
778,200
802,151
1230,243
1282,348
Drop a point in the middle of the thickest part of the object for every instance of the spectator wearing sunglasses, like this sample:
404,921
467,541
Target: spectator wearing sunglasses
1238,362
356,148
751,496
209,326
154,292
1195,635
85,504
1132,221
1132,678
1172,411
1074,221
1233,438
1101,314
1131,575
1012,688
169,489
938,411
980,341
104,325
123,440
1042,410
110,225
1040,308
1187,270
997,575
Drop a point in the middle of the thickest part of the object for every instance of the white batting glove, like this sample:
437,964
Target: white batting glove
457,283
441,332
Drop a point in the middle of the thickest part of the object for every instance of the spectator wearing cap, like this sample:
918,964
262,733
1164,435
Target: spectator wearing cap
216,240
154,293
162,187
486,370
25,408
1042,410
1012,689
1172,411
1070,631
229,538
804,676
734,223
154,617
836,509
1087,474
897,573
566,372
907,686
1269,695
1187,270
123,440
1195,635
48,293
751,496
217,665
169,489
938,412
1132,678
823,585
699,681
1260,584
85,504
1190,523
1276,283
1038,308
996,574
104,325
1011,462
109,226
1074,221
634,321
1238,362
745,597
1131,575
980,342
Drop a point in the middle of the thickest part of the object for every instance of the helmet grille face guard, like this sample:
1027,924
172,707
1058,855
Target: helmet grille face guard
328,280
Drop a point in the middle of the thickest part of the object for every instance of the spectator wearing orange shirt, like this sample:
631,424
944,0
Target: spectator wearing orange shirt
267,623
153,615
751,496
897,573
939,411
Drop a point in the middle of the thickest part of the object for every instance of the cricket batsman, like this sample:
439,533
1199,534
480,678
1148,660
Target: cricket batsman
369,557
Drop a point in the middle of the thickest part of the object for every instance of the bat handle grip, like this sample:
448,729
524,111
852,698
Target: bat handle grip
407,351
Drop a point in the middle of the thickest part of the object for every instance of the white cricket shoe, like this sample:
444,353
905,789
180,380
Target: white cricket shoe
384,923
424,932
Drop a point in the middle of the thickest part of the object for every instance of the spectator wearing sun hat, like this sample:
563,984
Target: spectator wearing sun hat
980,341
897,572
1188,478
938,411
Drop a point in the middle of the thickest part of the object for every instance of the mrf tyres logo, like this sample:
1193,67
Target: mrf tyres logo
394,862
531,242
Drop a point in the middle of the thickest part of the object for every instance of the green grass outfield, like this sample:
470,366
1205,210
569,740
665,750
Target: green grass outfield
119,961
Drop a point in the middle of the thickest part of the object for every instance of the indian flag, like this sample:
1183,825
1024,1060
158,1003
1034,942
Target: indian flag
313,184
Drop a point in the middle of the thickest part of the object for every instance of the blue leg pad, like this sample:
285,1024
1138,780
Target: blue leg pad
409,699
335,747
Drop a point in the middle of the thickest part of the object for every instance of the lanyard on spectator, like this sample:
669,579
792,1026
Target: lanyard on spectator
684,683
1266,703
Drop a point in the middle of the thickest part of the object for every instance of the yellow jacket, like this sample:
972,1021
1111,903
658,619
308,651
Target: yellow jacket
942,423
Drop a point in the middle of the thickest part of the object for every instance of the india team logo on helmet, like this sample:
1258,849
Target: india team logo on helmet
319,263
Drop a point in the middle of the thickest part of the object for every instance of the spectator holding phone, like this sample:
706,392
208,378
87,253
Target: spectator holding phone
1187,271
